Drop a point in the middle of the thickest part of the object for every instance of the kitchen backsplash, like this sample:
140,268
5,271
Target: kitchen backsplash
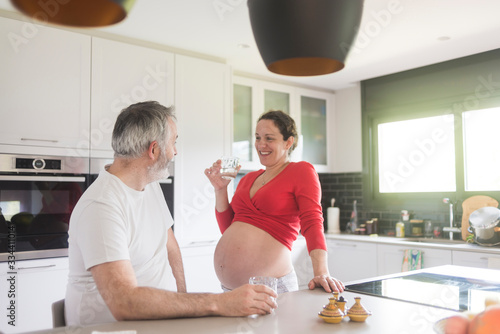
347,187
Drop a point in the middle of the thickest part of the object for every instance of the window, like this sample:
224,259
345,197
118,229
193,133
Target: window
481,149
435,156
417,155
430,133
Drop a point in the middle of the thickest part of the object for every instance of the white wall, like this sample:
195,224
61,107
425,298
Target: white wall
347,144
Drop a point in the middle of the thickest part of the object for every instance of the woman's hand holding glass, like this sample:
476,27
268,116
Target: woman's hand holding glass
218,179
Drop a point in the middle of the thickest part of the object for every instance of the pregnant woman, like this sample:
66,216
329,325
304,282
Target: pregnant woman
267,211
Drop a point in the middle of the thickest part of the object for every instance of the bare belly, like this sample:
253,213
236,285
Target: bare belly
244,251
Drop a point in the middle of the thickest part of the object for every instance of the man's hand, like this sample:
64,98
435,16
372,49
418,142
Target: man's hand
247,300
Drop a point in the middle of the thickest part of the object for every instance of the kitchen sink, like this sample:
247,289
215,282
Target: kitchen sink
435,241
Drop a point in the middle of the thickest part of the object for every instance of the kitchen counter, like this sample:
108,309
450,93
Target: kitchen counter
297,313
417,242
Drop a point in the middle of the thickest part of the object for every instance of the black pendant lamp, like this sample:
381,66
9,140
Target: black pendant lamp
304,37
76,13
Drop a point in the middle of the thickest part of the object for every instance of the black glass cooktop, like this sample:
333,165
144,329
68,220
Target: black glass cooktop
449,292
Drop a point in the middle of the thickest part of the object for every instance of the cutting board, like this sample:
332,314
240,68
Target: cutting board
470,205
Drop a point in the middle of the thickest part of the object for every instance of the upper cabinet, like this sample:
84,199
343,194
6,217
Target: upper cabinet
123,74
347,133
313,112
314,119
45,85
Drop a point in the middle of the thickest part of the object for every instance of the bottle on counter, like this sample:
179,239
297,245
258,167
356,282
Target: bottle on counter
405,218
354,217
400,230
375,225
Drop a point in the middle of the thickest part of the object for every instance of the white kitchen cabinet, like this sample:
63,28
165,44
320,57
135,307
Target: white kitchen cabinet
390,257
351,260
199,268
123,74
301,262
316,123
202,95
251,98
38,283
346,136
45,85
313,112
478,260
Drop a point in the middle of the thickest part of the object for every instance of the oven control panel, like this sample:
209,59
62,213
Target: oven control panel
52,164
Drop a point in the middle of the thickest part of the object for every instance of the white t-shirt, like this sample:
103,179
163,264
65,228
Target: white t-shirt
114,222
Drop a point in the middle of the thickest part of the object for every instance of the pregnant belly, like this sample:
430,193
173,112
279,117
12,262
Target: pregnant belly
245,251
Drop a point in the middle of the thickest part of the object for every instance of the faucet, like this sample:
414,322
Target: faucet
452,229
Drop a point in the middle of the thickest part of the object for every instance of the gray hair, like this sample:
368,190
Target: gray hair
138,125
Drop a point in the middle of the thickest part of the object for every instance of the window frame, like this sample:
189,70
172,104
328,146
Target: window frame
418,201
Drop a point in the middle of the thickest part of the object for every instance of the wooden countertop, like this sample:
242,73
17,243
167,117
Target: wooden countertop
297,313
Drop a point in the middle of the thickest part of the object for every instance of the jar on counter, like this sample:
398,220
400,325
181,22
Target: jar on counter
369,227
400,230
417,227
428,229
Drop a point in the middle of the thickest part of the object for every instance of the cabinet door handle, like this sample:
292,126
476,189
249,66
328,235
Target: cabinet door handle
37,267
37,139
345,245
203,243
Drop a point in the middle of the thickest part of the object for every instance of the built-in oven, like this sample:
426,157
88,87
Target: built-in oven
37,196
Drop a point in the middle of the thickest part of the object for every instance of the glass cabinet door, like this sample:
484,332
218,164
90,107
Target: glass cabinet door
309,108
313,130
242,122
274,100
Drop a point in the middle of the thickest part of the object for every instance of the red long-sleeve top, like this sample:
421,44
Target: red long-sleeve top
289,203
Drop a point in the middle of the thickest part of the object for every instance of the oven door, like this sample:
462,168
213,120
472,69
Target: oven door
167,187
35,212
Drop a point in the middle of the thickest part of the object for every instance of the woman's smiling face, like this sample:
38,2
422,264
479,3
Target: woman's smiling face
269,143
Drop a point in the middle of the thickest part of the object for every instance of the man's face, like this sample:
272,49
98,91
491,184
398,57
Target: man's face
160,169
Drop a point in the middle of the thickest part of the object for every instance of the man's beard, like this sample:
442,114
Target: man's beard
159,170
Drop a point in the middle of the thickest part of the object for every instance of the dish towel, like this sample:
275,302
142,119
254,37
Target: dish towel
412,260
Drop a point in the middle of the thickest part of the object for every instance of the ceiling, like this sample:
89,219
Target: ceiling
395,35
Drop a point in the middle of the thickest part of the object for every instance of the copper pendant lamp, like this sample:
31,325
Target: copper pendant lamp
76,13
304,37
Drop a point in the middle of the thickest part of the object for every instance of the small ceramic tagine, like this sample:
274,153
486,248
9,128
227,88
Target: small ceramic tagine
358,312
341,303
331,313
336,295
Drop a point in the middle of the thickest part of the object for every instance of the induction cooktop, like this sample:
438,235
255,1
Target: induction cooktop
448,292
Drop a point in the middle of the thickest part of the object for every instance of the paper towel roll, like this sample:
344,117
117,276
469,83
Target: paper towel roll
332,215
